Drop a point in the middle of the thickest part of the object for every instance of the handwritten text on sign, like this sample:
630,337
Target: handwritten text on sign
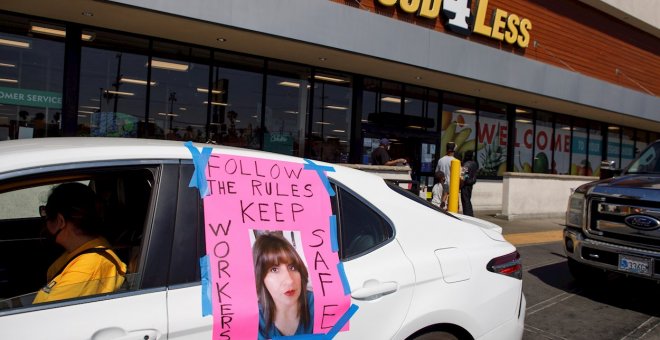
246,194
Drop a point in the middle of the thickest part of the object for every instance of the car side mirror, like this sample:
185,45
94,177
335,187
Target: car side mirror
608,169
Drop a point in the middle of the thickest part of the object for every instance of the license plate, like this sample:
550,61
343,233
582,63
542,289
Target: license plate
636,265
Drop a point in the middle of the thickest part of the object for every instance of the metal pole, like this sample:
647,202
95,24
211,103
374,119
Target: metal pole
454,183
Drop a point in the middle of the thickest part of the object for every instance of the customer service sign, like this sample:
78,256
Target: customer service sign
27,97
504,26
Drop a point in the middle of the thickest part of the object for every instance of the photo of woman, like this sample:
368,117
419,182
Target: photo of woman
286,307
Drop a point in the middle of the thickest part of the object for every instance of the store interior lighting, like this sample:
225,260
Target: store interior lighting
204,90
57,32
330,79
120,93
135,81
289,84
334,107
217,103
14,43
168,65
395,100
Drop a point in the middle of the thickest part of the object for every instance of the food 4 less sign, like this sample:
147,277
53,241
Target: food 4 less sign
504,26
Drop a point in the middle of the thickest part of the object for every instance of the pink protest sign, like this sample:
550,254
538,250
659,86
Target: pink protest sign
268,237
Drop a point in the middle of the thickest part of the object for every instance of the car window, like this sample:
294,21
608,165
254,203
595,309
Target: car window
362,228
123,196
648,161
415,198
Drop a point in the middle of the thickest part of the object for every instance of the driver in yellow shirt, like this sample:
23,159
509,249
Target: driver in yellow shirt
88,266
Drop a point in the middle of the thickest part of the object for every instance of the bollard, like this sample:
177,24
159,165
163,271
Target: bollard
454,183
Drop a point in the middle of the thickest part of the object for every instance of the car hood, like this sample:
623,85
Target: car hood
633,186
491,230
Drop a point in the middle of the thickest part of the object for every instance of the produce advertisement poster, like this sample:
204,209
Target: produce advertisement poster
271,245
491,143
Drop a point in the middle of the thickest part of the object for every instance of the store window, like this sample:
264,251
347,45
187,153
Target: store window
459,124
523,156
493,134
287,98
370,103
595,150
432,111
562,145
579,139
414,105
390,99
179,92
627,147
614,146
544,147
382,117
427,147
331,117
113,87
31,71
238,82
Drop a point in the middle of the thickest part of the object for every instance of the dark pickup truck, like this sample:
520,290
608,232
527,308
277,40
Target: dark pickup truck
613,225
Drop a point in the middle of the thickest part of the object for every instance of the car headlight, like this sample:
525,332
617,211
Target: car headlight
575,210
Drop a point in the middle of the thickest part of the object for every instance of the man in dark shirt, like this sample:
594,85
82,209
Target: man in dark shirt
380,156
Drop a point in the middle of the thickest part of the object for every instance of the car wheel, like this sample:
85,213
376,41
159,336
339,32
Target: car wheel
437,335
585,274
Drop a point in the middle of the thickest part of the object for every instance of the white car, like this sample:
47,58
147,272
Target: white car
415,272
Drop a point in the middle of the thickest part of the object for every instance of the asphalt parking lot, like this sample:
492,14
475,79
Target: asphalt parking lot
558,307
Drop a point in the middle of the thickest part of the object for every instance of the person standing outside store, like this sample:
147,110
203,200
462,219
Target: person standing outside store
440,191
468,178
380,156
444,164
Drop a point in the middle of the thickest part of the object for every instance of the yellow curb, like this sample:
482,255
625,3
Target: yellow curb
535,237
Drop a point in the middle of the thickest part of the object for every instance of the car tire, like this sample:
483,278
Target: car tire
585,274
437,335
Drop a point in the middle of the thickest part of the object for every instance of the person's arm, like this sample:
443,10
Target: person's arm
396,161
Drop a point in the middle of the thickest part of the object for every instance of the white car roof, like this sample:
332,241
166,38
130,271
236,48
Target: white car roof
31,153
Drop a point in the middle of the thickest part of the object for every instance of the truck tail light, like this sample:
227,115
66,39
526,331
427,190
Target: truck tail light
508,265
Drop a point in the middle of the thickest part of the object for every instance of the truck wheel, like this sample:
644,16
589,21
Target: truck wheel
437,335
585,274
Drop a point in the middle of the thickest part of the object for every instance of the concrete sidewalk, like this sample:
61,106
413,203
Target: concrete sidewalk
526,231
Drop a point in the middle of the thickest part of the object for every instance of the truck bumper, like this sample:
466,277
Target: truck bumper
606,255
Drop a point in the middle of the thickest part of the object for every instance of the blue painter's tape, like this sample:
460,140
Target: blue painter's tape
320,170
204,266
342,321
342,275
200,160
333,233
302,337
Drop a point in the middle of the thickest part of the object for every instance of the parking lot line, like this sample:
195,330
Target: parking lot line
534,237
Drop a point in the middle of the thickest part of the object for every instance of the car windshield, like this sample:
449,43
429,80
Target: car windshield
648,162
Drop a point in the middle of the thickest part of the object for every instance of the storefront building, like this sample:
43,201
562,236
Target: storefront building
530,86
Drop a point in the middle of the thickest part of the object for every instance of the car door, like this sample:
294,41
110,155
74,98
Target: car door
380,276
138,310
184,298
